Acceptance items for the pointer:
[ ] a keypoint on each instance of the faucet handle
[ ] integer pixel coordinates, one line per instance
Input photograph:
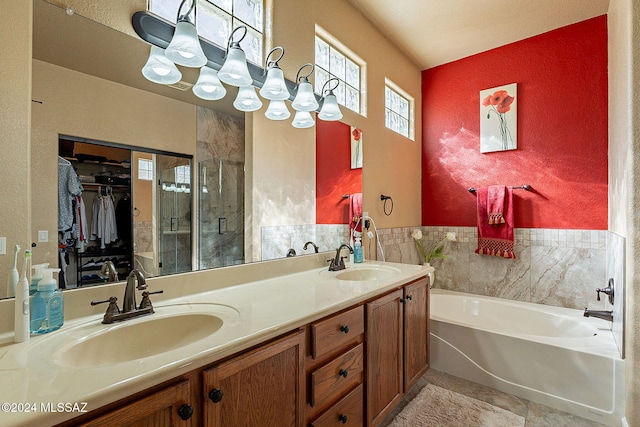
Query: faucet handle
(146, 302)
(113, 305)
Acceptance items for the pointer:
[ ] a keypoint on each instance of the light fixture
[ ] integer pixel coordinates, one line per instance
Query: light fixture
(159, 69)
(305, 99)
(185, 48)
(234, 71)
(208, 85)
(274, 87)
(303, 120)
(247, 100)
(277, 110)
(330, 110)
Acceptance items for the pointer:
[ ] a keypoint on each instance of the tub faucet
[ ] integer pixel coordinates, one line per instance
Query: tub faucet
(109, 270)
(606, 315)
(337, 263)
(315, 247)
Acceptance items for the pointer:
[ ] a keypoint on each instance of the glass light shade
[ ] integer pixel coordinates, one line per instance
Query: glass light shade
(305, 99)
(303, 120)
(208, 85)
(274, 87)
(185, 48)
(247, 100)
(159, 69)
(234, 71)
(330, 110)
(277, 110)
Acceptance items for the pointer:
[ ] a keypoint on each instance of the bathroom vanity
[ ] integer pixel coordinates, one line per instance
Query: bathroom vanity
(306, 348)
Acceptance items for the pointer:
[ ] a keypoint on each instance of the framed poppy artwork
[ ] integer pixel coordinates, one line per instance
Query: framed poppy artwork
(356, 148)
(498, 118)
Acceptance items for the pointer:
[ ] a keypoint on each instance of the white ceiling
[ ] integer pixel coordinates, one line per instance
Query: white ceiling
(434, 32)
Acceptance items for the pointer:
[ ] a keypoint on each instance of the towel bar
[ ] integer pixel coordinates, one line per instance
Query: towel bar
(525, 187)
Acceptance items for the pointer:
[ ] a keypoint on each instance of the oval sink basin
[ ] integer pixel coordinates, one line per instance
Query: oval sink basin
(139, 338)
(363, 274)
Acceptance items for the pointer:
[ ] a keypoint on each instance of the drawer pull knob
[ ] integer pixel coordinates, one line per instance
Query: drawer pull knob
(343, 373)
(409, 297)
(185, 411)
(403, 300)
(342, 418)
(344, 328)
(215, 395)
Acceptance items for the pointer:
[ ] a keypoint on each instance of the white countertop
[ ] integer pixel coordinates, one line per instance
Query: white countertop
(34, 374)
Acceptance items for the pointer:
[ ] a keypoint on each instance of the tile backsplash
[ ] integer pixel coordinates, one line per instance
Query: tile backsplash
(553, 266)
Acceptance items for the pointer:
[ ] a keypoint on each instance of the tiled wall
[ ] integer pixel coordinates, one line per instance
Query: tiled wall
(277, 240)
(554, 267)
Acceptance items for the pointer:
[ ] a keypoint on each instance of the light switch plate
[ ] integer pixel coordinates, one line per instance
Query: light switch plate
(43, 236)
(3, 245)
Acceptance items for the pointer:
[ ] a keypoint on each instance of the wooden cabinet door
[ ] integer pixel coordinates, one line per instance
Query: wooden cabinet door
(165, 408)
(262, 387)
(384, 355)
(416, 332)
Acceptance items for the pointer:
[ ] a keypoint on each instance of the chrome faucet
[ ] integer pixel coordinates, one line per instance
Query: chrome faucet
(109, 270)
(129, 302)
(315, 247)
(129, 308)
(337, 263)
(606, 315)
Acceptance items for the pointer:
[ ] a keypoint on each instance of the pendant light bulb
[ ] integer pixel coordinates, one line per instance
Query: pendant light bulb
(277, 110)
(274, 87)
(247, 100)
(159, 69)
(208, 85)
(303, 120)
(305, 99)
(185, 48)
(330, 110)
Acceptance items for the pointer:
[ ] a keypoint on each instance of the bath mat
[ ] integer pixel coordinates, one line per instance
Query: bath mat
(437, 407)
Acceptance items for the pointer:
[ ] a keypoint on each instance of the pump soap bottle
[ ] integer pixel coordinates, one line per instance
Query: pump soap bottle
(47, 304)
(358, 254)
(37, 276)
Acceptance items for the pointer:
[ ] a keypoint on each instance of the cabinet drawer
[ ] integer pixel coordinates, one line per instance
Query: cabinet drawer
(331, 334)
(348, 411)
(336, 377)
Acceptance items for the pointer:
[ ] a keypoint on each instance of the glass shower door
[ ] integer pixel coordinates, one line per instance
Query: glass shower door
(221, 213)
(174, 214)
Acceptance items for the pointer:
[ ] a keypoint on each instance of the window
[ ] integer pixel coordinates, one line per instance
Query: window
(145, 169)
(398, 108)
(217, 18)
(183, 174)
(334, 60)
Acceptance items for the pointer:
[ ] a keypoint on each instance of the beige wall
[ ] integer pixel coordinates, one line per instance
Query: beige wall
(15, 141)
(391, 162)
(67, 105)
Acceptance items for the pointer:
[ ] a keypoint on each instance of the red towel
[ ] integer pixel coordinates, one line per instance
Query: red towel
(495, 239)
(495, 203)
(355, 211)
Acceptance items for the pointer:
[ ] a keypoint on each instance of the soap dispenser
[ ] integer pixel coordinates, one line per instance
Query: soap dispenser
(47, 304)
(358, 253)
(36, 276)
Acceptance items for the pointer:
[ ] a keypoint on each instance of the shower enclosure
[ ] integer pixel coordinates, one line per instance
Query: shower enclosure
(221, 213)
(173, 214)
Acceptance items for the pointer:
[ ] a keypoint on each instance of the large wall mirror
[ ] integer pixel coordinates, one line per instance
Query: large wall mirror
(249, 201)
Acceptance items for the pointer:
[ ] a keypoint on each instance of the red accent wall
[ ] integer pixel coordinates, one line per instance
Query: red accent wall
(334, 176)
(562, 131)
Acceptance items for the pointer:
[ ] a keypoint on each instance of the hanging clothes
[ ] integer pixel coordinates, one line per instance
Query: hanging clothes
(103, 222)
(69, 186)
(80, 226)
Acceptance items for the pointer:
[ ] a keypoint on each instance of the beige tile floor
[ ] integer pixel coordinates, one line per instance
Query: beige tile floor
(535, 414)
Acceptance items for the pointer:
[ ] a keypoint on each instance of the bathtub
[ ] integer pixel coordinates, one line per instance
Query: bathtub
(550, 355)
